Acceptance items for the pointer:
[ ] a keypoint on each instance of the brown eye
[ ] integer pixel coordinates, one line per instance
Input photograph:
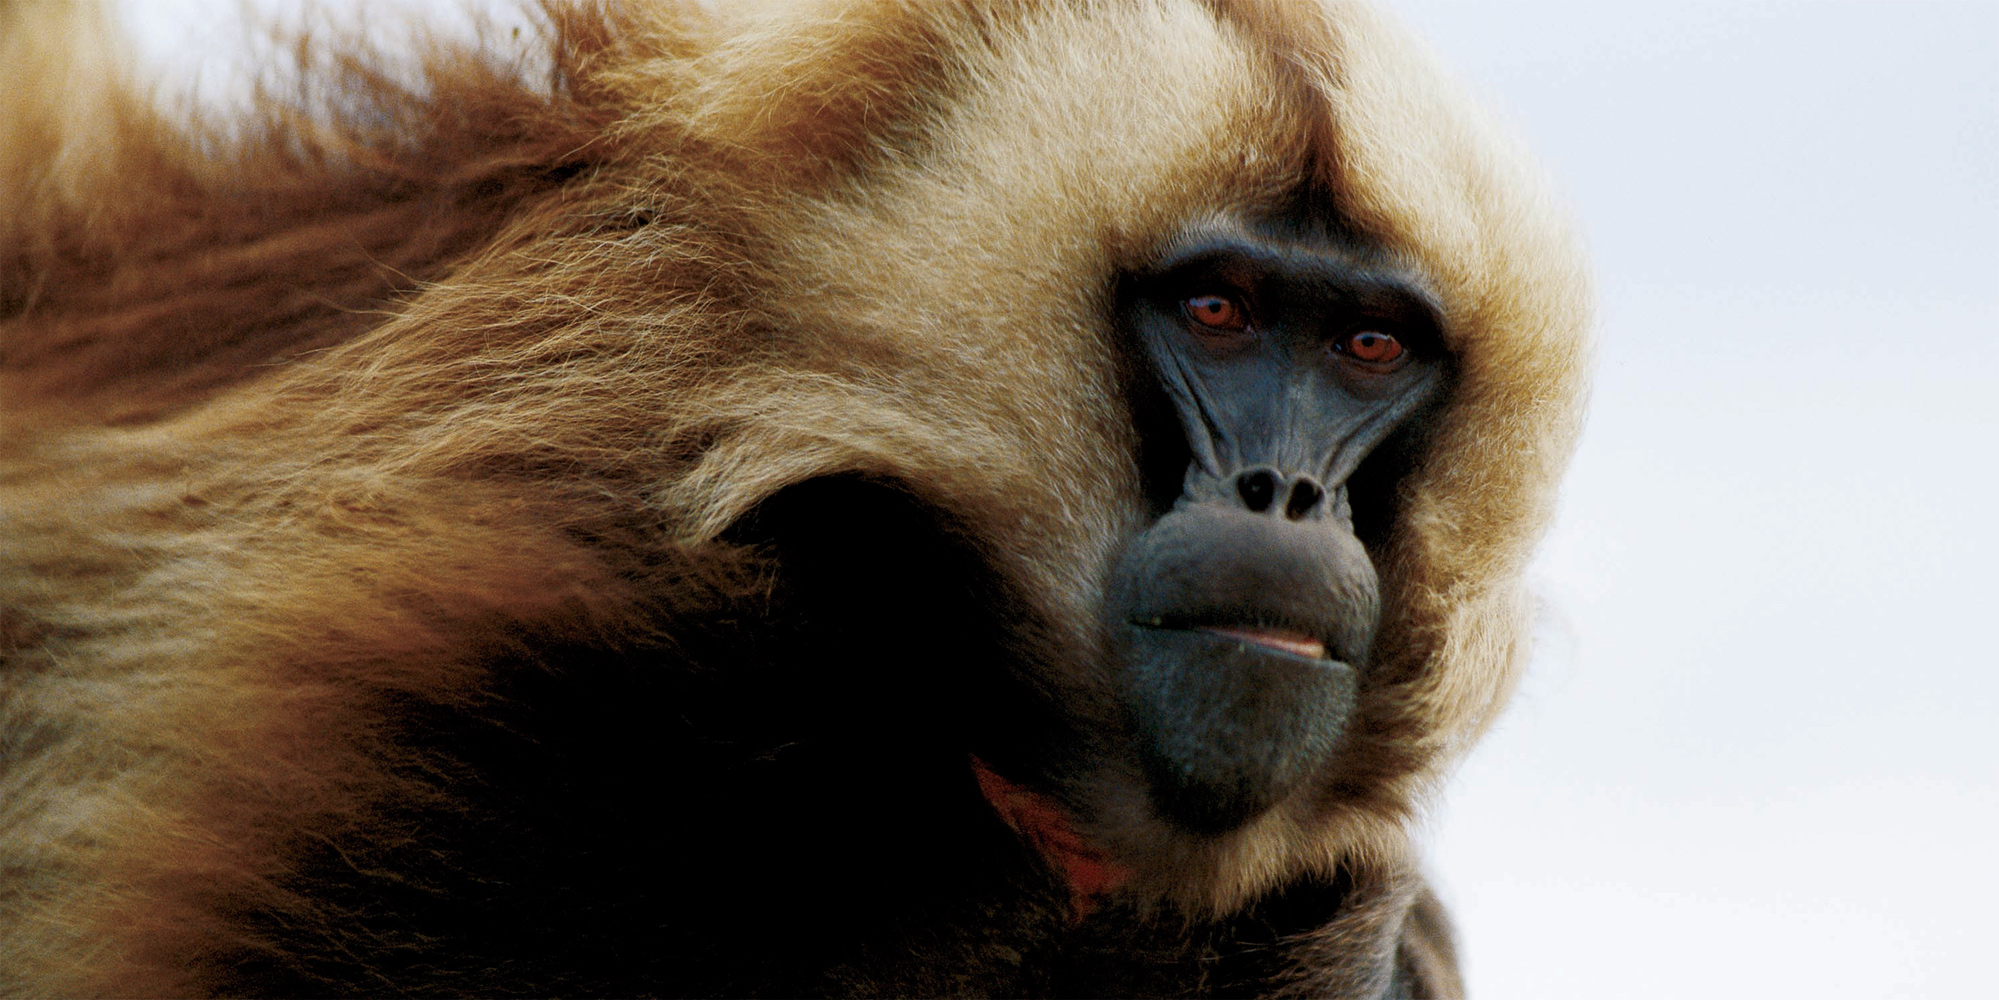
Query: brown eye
(1372, 347)
(1216, 311)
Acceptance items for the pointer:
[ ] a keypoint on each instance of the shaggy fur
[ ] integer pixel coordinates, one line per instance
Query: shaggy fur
(514, 535)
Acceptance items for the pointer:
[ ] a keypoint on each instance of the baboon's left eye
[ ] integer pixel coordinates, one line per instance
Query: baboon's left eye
(1371, 347)
(1217, 312)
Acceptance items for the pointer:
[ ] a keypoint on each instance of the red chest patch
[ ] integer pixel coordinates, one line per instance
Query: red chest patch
(1046, 827)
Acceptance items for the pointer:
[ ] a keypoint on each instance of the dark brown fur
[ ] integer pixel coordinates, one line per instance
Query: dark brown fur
(500, 535)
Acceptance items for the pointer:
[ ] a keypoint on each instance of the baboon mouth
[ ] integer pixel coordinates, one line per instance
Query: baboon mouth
(1294, 643)
(1232, 719)
(1290, 641)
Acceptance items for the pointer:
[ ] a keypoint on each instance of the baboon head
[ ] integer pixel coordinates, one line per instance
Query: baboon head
(1237, 358)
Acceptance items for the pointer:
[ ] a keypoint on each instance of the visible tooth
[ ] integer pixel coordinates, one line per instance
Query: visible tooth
(1289, 642)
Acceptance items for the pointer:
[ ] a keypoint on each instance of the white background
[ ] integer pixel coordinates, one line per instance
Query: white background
(1756, 755)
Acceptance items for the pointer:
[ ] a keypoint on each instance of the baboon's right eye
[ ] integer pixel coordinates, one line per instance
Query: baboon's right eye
(1217, 312)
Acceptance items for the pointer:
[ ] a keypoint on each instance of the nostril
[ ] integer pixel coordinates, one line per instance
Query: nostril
(1257, 489)
(1305, 495)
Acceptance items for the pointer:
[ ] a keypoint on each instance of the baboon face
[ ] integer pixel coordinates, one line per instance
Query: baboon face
(1242, 615)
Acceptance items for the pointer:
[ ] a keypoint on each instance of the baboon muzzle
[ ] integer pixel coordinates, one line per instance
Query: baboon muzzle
(1242, 633)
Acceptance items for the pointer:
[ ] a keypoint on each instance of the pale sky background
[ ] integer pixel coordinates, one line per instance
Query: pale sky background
(1756, 755)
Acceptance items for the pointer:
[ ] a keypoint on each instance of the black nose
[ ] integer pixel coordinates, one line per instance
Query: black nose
(1263, 490)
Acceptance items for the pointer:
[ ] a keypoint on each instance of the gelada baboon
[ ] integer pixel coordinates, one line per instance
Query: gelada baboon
(833, 498)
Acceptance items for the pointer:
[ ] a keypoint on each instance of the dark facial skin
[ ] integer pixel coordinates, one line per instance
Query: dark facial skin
(1244, 615)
